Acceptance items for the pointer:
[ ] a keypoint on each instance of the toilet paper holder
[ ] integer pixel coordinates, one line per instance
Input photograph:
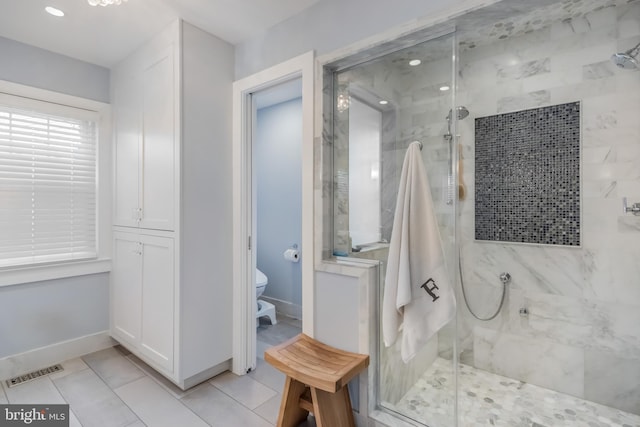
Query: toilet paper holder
(292, 254)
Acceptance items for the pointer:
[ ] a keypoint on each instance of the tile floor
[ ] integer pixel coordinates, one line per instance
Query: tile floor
(113, 388)
(488, 399)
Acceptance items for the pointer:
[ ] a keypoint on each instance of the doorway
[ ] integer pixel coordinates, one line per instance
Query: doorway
(245, 114)
(276, 147)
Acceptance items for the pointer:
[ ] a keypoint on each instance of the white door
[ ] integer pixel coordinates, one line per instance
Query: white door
(158, 153)
(127, 117)
(126, 287)
(158, 290)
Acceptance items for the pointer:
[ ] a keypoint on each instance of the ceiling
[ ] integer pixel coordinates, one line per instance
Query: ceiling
(106, 35)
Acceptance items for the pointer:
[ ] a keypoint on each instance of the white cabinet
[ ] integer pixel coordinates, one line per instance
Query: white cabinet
(157, 195)
(145, 141)
(127, 146)
(143, 295)
(171, 283)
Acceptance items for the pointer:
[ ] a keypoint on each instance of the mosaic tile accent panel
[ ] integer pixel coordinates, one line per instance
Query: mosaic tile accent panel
(527, 175)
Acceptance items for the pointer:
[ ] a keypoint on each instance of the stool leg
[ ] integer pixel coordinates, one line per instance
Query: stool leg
(290, 413)
(332, 409)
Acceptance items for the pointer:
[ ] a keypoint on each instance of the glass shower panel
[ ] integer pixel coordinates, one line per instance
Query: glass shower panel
(380, 107)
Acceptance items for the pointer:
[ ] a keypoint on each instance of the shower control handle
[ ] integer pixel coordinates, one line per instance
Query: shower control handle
(634, 209)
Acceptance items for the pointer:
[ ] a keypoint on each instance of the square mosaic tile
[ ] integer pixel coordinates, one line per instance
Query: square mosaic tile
(527, 176)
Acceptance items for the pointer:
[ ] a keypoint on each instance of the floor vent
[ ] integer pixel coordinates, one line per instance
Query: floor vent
(12, 382)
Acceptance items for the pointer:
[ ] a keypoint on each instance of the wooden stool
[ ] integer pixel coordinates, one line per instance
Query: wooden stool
(317, 377)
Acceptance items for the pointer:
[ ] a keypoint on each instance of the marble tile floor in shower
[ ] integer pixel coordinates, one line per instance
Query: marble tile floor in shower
(113, 388)
(488, 399)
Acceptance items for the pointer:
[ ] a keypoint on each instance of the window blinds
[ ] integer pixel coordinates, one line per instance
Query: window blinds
(47, 187)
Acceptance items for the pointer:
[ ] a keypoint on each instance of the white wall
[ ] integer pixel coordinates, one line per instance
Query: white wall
(32, 66)
(39, 314)
(278, 162)
(206, 234)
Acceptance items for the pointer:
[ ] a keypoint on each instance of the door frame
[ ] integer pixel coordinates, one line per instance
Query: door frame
(244, 294)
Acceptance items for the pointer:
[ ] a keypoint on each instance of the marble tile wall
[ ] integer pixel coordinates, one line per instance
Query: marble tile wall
(580, 336)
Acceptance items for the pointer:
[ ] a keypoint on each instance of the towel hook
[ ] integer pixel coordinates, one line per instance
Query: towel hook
(419, 144)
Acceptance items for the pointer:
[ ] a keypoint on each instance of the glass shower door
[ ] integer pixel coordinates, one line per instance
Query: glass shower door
(380, 107)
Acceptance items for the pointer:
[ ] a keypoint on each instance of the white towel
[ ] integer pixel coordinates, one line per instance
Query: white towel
(418, 299)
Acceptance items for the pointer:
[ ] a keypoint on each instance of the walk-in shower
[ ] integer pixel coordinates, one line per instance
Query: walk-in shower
(544, 261)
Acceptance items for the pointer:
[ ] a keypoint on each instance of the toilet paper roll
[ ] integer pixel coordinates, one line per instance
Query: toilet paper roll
(292, 255)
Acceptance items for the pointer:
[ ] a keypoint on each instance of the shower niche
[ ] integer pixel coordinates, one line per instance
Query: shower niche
(376, 112)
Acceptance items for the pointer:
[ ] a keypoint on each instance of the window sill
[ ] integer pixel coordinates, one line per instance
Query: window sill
(28, 274)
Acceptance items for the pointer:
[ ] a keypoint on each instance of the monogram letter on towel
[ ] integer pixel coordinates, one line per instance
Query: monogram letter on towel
(418, 298)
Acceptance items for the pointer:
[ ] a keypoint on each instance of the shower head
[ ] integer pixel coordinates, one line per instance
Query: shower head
(624, 60)
(627, 60)
(461, 113)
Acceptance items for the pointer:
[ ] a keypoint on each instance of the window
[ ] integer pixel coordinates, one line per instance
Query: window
(48, 182)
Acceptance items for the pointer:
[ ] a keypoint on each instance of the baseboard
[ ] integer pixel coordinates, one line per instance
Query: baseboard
(18, 364)
(285, 307)
(205, 375)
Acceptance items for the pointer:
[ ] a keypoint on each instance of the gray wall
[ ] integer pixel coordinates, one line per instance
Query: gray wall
(34, 315)
(278, 160)
(43, 313)
(32, 66)
(329, 25)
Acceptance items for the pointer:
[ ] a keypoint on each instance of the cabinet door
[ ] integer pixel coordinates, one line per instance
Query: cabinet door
(158, 296)
(126, 287)
(159, 143)
(127, 116)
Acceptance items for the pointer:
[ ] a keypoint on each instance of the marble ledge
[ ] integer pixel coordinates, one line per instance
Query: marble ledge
(346, 266)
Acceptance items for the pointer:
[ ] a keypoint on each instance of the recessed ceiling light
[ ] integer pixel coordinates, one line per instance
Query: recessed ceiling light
(383, 102)
(444, 88)
(53, 11)
(415, 62)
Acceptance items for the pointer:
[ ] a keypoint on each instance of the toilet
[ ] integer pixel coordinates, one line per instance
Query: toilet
(264, 308)
(261, 283)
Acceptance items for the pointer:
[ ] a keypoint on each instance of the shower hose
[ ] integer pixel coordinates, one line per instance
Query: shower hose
(464, 294)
